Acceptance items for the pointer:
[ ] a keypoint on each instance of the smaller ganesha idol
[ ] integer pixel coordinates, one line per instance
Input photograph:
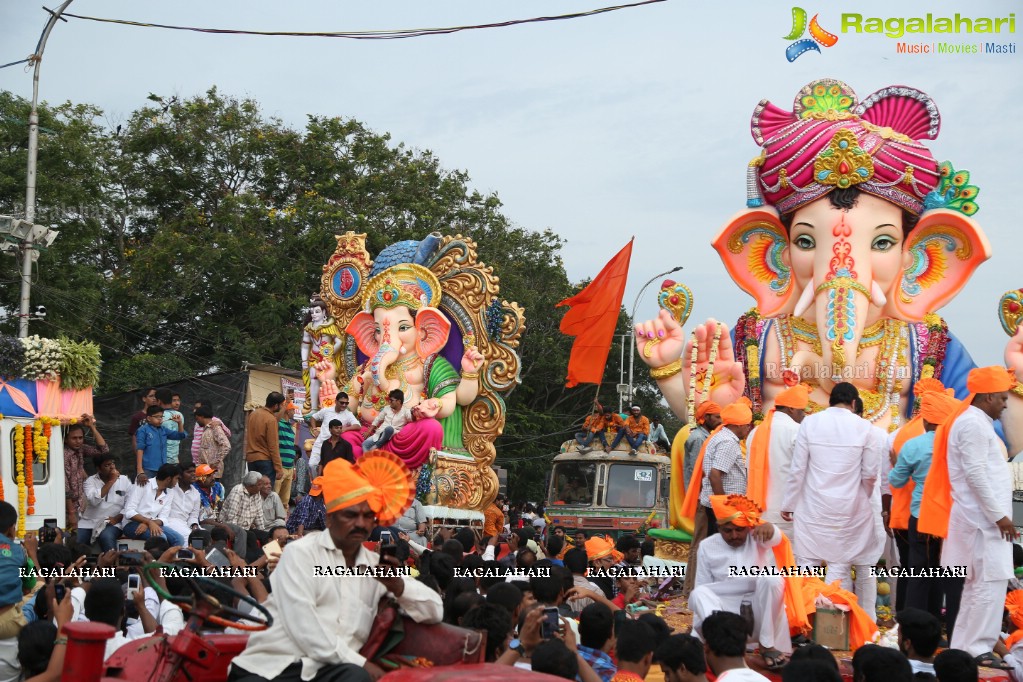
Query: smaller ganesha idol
(424, 318)
(402, 332)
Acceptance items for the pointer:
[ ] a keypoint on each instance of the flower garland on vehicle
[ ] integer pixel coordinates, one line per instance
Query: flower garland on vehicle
(19, 464)
(43, 430)
(29, 470)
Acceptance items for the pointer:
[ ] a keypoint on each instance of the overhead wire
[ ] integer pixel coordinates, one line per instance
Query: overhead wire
(389, 34)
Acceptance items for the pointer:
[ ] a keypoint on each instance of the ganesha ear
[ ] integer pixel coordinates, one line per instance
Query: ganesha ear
(432, 330)
(752, 246)
(363, 329)
(941, 252)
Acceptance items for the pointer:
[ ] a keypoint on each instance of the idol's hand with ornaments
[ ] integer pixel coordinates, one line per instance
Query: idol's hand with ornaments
(430, 408)
(660, 341)
(709, 352)
(472, 360)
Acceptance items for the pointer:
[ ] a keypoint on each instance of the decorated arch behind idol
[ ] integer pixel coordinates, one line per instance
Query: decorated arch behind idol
(424, 317)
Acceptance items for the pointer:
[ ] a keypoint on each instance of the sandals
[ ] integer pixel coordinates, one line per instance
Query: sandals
(774, 660)
(991, 660)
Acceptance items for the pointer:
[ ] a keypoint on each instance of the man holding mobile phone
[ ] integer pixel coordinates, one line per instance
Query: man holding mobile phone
(292, 648)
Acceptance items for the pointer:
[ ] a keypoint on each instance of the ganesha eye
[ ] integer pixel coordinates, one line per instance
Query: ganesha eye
(883, 243)
(805, 242)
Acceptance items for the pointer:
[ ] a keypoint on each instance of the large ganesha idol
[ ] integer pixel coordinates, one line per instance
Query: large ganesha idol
(425, 318)
(854, 235)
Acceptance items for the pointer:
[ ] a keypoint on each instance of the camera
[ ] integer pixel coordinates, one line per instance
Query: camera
(551, 622)
(198, 543)
(131, 558)
(48, 533)
(387, 545)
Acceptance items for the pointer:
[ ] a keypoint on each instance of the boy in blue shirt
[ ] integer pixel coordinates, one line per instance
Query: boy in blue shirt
(12, 558)
(151, 441)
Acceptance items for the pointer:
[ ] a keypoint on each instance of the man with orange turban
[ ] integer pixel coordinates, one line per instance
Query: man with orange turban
(832, 481)
(770, 447)
(968, 500)
(913, 463)
(322, 616)
(724, 465)
(742, 546)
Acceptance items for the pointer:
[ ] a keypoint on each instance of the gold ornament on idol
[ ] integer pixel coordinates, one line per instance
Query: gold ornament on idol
(648, 347)
(708, 378)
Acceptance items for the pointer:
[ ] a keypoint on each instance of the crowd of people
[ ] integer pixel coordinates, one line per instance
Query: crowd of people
(833, 491)
(756, 494)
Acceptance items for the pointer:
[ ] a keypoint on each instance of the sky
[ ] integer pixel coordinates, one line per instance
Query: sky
(629, 123)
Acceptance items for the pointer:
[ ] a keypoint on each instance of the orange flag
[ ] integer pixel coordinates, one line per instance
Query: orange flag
(592, 319)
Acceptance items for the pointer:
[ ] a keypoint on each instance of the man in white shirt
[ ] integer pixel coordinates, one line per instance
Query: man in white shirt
(148, 507)
(743, 541)
(184, 514)
(969, 459)
(106, 493)
(321, 622)
(339, 411)
(724, 638)
(829, 493)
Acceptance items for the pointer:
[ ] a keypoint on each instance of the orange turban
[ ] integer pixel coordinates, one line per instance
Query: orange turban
(1014, 605)
(797, 397)
(705, 408)
(737, 414)
(736, 509)
(599, 548)
(317, 487)
(345, 486)
(380, 479)
(936, 407)
(994, 379)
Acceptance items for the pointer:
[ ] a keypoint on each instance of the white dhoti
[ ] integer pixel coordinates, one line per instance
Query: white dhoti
(986, 557)
(766, 594)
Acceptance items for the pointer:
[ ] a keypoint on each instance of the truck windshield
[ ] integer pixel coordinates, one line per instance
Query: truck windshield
(631, 485)
(573, 482)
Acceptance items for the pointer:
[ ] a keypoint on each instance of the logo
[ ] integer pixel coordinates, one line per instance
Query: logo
(818, 36)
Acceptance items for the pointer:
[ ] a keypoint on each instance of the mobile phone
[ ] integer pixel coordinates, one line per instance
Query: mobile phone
(184, 554)
(122, 546)
(131, 558)
(271, 548)
(50, 523)
(134, 583)
(59, 591)
(387, 546)
(551, 622)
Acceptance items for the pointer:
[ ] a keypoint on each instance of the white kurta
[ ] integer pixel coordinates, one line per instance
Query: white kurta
(981, 495)
(716, 591)
(834, 472)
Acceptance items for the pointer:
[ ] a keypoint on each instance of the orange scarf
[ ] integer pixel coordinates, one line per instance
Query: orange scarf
(795, 606)
(936, 504)
(861, 627)
(759, 462)
(696, 483)
(902, 497)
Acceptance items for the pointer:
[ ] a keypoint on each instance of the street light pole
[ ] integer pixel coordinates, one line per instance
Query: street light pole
(30, 182)
(632, 317)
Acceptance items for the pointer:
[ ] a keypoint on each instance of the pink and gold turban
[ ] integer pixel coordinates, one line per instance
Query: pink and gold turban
(829, 140)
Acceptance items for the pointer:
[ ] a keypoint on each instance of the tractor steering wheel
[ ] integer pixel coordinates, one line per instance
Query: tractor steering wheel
(193, 602)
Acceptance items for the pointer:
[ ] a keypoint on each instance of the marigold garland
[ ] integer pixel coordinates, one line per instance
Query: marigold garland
(29, 471)
(19, 464)
(42, 439)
